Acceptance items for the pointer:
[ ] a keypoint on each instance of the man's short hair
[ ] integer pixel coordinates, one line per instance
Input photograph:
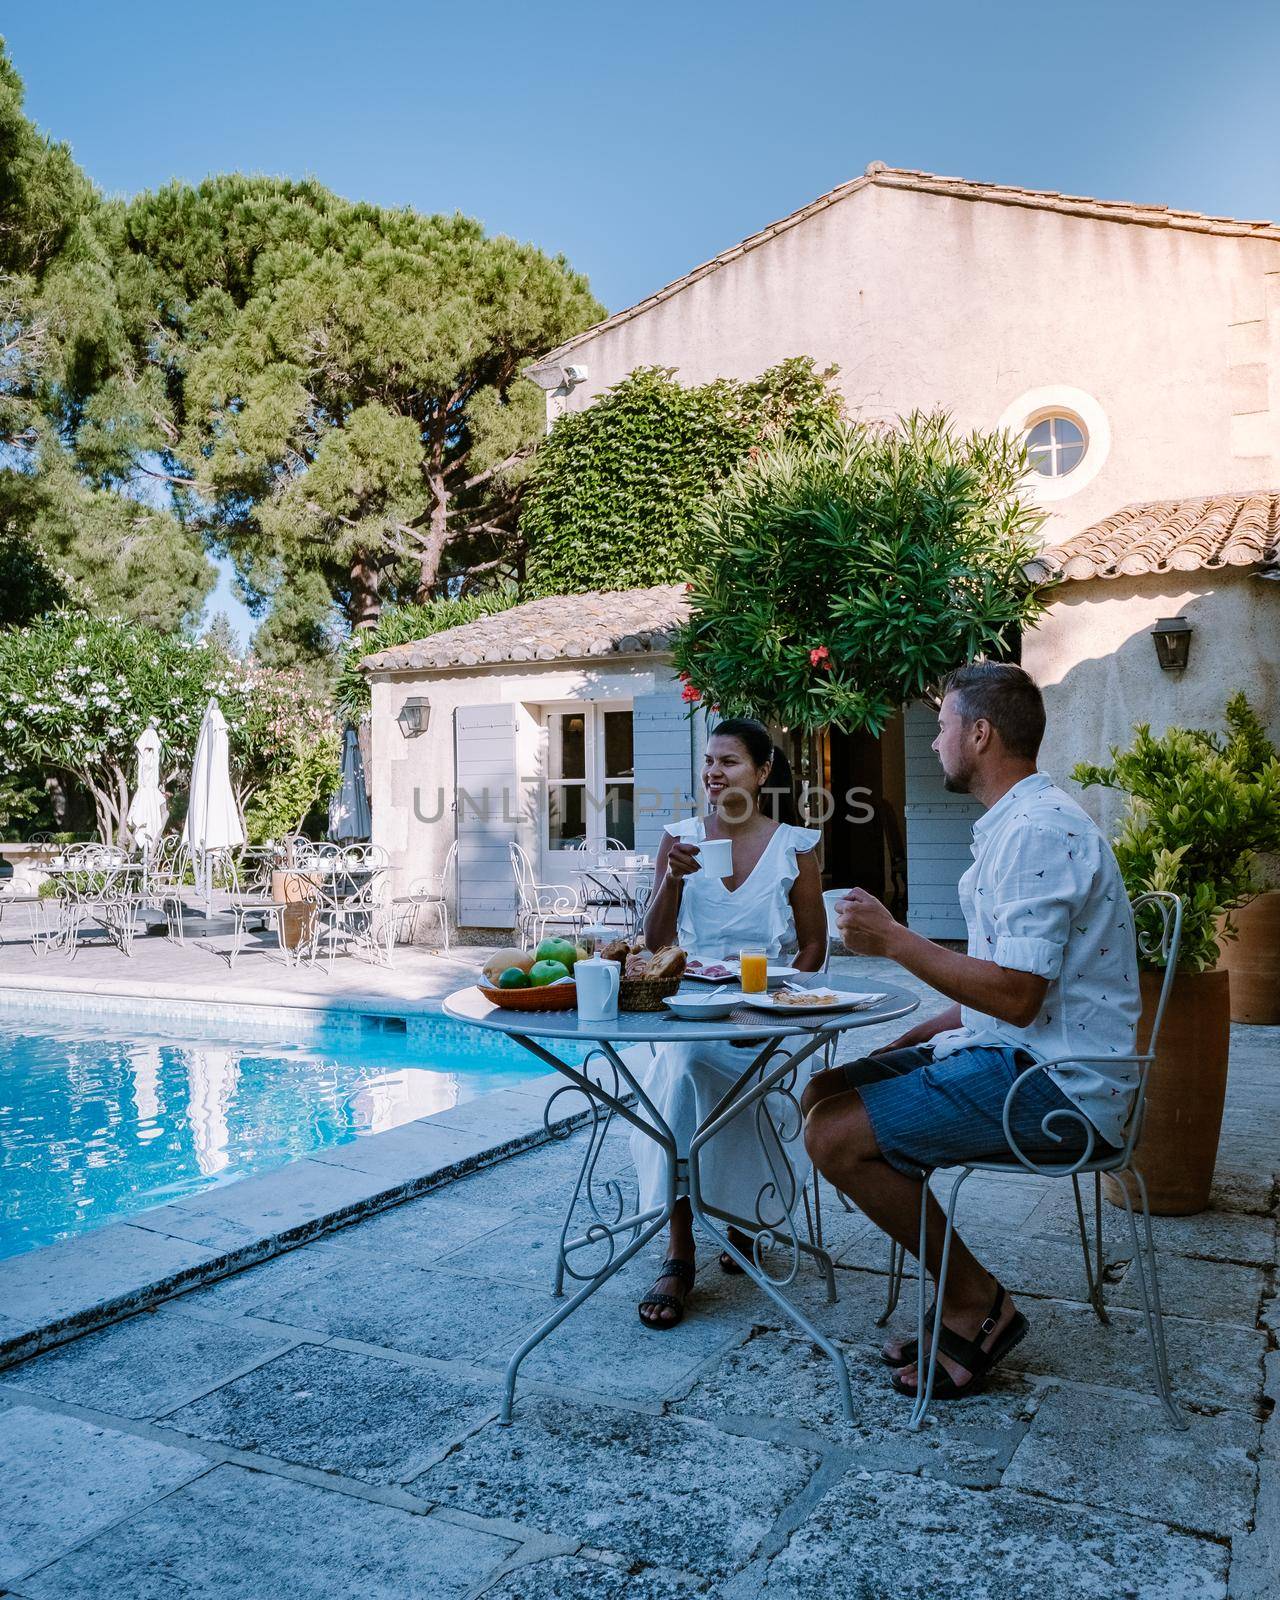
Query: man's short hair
(1007, 698)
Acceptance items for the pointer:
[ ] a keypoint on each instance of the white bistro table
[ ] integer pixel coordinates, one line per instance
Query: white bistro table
(765, 1089)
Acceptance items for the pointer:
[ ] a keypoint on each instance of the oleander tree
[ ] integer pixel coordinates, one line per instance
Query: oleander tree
(77, 691)
(839, 579)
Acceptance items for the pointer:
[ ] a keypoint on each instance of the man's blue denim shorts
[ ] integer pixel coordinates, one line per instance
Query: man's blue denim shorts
(928, 1113)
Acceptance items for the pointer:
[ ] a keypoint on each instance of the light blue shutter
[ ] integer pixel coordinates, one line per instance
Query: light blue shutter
(488, 809)
(939, 833)
(662, 742)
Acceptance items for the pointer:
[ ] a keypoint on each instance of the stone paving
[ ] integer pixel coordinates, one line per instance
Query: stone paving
(324, 1424)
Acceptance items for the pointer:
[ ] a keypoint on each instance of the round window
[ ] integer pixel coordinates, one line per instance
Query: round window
(1056, 446)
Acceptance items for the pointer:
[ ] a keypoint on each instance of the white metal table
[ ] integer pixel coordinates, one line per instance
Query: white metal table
(764, 1087)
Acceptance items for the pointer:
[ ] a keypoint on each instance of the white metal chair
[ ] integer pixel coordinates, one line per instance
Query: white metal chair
(432, 892)
(346, 918)
(97, 885)
(538, 904)
(1161, 937)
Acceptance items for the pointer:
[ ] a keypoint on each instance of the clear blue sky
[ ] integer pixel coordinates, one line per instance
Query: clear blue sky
(639, 137)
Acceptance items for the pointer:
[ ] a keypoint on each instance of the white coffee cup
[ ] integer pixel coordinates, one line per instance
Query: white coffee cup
(716, 857)
(597, 982)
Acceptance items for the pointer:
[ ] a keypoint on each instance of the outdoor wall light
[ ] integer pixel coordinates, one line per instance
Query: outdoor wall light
(1173, 642)
(414, 716)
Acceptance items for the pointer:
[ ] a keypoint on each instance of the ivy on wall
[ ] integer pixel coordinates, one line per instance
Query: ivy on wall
(616, 489)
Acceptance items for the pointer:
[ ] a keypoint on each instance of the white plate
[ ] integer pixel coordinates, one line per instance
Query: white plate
(844, 1001)
(776, 975)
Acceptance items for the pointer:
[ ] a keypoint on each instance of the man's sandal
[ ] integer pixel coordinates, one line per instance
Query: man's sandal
(907, 1355)
(969, 1354)
(683, 1272)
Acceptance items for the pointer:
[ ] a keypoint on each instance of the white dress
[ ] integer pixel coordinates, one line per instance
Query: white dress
(685, 1081)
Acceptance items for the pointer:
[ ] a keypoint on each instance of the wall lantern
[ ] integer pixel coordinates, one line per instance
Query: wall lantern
(413, 716)
(1173, 642)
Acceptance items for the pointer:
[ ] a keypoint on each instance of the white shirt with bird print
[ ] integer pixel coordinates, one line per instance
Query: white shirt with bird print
(1044, 895)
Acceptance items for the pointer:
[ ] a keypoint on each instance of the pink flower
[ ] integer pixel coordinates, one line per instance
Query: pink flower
(690, 695)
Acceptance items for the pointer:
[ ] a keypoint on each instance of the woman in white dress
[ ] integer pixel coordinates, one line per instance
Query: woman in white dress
(772, 902)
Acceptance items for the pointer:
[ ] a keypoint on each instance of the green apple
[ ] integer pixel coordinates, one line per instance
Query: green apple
(562, 950)
(544, 972)
(513, 978)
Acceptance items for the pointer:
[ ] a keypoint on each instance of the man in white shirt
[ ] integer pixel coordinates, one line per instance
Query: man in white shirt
(1051, 972)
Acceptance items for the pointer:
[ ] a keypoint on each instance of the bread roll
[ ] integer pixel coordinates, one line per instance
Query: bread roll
(668, 963)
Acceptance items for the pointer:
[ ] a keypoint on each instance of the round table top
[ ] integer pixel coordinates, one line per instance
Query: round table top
(660, 1027)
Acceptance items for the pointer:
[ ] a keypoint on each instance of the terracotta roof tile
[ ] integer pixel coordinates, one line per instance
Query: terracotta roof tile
(1225, 530)
(564, 628)
(1077, 205)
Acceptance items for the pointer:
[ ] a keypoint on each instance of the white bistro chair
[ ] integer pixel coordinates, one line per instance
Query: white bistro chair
(538, 904)
(432, 894)
(1164, 939)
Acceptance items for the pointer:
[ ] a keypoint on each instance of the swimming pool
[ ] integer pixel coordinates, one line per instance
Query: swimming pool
(102, 1117)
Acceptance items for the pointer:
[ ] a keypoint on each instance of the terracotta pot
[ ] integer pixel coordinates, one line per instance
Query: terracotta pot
(1185, 1092)
(1253, 960)
(298, 894)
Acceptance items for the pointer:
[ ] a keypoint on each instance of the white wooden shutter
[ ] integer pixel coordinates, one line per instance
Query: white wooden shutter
(939, 833)
(488, 809)
(662, 743)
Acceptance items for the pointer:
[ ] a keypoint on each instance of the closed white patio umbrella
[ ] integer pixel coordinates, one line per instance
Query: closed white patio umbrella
(213, 821)
(148, 812)
(349, 806)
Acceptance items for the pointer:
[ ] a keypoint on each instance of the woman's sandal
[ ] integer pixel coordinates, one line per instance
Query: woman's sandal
(683, 1272)
(728, 1265)
(969, 1354)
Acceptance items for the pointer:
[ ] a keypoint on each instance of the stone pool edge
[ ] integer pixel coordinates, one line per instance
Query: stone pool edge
(53, 1294)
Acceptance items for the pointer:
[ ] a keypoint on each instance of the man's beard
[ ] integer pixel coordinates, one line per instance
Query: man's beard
(957, 782)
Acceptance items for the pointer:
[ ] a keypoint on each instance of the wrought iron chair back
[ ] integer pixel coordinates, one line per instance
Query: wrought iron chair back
(537, 904)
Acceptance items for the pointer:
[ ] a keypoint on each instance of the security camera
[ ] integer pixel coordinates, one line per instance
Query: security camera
(574, 375)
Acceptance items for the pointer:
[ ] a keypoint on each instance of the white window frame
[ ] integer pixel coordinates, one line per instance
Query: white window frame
(1061, 399)
(558, 863)
(1053, 450)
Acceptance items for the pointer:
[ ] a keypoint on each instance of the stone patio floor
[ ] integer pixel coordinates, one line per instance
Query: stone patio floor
(324, 1424)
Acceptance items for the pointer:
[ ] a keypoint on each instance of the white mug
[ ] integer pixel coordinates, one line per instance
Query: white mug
(716, 857)
(597, 982)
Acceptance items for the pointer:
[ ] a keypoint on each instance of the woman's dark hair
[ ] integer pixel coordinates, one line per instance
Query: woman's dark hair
(779, 793)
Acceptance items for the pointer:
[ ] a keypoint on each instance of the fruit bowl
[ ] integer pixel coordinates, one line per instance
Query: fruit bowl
(549, 997)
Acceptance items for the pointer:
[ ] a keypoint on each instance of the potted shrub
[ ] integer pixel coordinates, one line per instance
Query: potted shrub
(1197, 814)
(1251, 933)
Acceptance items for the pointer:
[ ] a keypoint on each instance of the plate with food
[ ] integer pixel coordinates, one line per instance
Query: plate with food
(801, 1001)
(728, 972)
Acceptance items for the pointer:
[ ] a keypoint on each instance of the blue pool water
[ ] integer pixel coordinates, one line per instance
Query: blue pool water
(101, 1119)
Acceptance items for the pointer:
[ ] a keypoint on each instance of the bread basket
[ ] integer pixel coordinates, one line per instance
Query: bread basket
(550, 997)
(645, 994)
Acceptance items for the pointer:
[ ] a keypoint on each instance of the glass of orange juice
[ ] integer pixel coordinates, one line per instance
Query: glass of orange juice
(754, 967)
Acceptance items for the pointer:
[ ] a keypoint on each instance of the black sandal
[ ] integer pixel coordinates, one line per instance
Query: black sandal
(969, 1354)
(683, 1272)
